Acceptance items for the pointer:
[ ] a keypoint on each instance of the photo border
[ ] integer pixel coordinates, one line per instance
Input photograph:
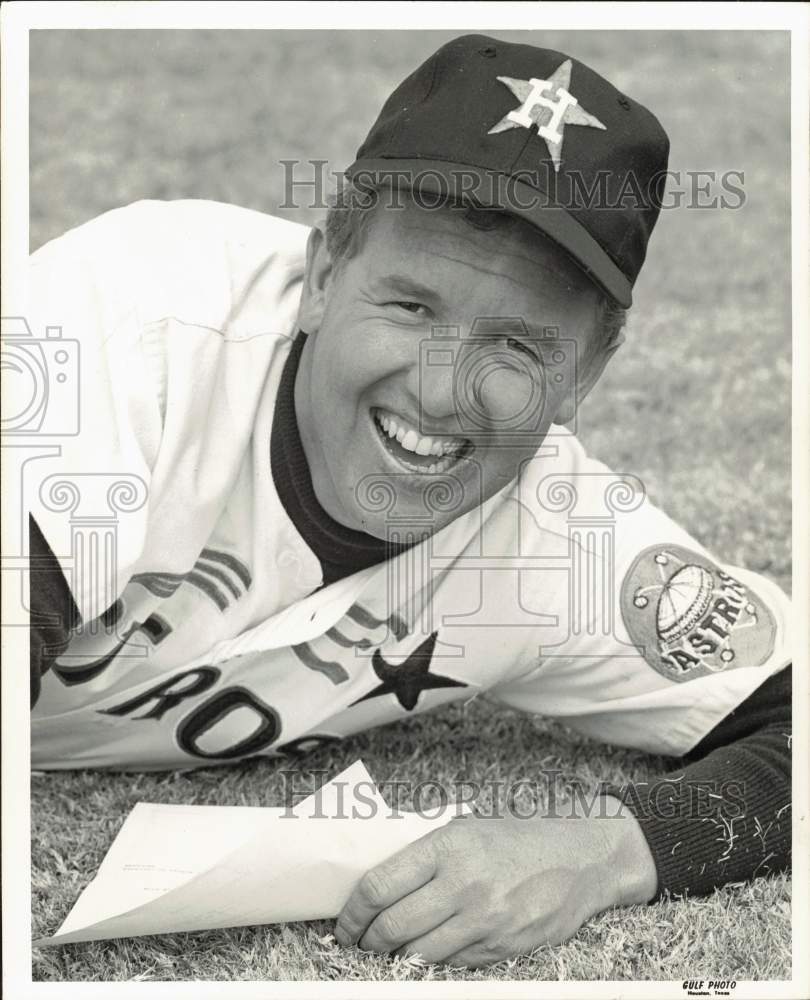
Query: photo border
(17, 19)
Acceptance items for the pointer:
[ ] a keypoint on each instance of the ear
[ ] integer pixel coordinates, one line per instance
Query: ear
(587, 375)
(317, 276)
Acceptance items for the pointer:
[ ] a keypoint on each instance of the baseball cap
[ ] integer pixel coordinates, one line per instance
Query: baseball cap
(532, 132)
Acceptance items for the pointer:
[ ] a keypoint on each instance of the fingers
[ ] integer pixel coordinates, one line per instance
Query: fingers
(474, 956)
(409, 918)
(381, 887)
(455, 937)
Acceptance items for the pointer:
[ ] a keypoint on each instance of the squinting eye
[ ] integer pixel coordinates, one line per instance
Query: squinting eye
(411, 307)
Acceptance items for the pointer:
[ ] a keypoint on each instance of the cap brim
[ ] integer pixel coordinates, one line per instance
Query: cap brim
(489, 189)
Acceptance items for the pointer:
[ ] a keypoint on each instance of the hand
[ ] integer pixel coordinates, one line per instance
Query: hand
(480, 890)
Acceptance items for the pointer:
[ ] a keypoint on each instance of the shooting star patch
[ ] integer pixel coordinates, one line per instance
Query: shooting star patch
(407, 680)
(689, 618)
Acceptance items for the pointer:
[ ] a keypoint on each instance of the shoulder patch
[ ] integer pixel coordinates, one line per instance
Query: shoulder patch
(689, 618)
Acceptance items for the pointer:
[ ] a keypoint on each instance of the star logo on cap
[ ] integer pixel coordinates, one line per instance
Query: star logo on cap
(548, 105)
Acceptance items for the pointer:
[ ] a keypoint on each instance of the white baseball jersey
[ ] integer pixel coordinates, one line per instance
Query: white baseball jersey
(206, 637)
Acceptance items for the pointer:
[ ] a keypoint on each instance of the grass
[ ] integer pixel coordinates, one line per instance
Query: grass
(741, 933)
(697, 405)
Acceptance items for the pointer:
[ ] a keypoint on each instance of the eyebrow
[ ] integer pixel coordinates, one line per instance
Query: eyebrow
(407, 286)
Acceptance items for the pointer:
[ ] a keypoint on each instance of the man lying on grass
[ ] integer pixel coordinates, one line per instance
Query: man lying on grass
(346, 495)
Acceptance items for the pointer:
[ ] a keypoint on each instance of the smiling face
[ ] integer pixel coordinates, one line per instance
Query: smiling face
(429, 358)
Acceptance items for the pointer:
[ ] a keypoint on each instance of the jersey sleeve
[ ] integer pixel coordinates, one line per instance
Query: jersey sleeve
(151, 329)
(100, 424)
(657, 641)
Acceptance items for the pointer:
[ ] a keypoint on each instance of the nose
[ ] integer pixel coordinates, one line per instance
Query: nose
(431, 382)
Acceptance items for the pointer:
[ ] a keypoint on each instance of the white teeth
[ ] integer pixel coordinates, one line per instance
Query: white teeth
(411, 440)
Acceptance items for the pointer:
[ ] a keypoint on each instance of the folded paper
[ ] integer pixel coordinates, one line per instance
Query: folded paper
(188, 868)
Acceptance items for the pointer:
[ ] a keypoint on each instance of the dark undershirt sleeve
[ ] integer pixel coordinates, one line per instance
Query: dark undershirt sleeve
(52, 611)
(724, 817)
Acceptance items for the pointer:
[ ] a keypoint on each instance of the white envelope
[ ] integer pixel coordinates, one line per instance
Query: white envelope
(188, 868)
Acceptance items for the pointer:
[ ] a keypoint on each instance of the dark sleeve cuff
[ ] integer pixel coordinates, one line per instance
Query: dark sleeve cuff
(726, 816)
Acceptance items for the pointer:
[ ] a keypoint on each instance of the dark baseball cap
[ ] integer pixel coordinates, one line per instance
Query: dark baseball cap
(532, 132)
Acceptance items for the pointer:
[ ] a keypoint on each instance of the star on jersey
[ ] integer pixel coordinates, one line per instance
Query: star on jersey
(548, 105)
(409, 679)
